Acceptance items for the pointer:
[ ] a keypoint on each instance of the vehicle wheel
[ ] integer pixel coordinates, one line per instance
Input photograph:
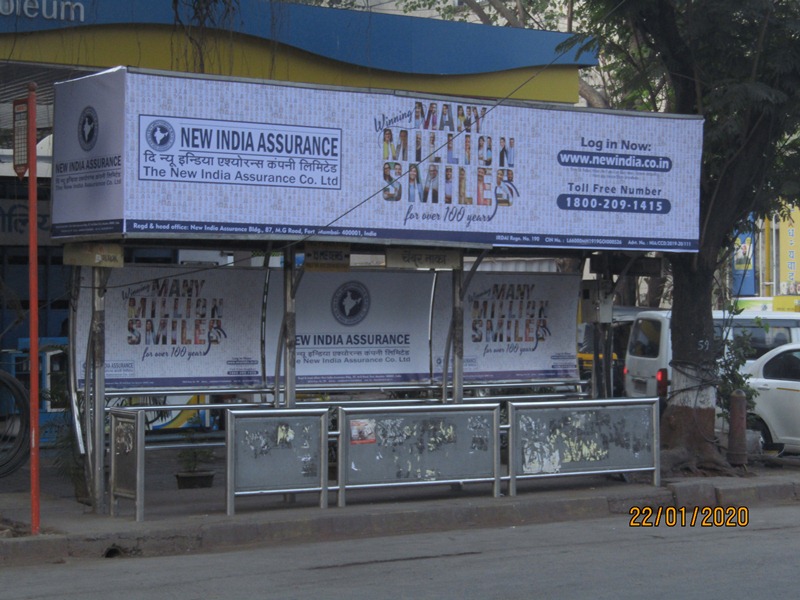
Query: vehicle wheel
(14, 424)
(756, 424)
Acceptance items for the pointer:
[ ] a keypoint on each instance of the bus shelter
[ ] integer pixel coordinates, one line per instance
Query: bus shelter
(328, 172)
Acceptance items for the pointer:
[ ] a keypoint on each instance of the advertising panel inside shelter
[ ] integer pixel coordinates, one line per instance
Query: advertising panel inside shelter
(167, 327)
(357, 327)
(517, 327)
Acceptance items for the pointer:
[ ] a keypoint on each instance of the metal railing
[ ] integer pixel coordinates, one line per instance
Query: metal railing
(286, 451)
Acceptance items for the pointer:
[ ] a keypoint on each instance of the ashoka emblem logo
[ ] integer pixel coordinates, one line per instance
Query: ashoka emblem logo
(88, 128)
(160, 135)
(350, 303)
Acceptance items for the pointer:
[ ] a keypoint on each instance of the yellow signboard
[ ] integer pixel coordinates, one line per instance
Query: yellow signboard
(419, 258)
(326, 257)
(94, 255)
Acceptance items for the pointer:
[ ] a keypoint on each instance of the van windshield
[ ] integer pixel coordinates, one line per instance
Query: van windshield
(645, 338)
(762, 338)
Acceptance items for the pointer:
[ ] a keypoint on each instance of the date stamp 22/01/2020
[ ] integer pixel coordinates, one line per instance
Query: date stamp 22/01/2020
(693, 516)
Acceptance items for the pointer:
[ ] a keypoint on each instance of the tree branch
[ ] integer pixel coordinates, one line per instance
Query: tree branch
(506, 13)
(593, 97)
(479, 12)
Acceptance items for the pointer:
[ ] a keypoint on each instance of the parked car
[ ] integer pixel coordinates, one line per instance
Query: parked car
(776, 378)
(648, 368)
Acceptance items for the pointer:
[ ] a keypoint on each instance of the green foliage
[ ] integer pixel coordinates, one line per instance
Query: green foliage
(68, 461)
(67, 458)
(193, 457)
(537, 14)
(735, 353)
(738, 68)
(736, 65)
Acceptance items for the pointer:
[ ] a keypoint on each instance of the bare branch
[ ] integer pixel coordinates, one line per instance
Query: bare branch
(479, 12)
(506, 13)
(592, 96)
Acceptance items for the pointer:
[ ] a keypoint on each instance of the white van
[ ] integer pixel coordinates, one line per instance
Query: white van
(621, 322)
(647, 369)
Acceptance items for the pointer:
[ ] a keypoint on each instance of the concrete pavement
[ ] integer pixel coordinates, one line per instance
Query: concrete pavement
(191, 521)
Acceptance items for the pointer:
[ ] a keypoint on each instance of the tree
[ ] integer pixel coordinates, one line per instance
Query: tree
(534, 14)
(738, 66)
(197, 22)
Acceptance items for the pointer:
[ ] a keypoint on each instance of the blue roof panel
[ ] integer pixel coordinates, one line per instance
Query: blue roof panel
(387, 42)
(417, 45)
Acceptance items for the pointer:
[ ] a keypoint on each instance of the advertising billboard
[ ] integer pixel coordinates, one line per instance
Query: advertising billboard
(140, 154)
(787, 246)
(357, 327)
(197, 329)
(168, 327)
(517, 326)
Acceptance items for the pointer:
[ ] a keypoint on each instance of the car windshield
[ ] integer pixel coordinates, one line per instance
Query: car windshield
(645, 338)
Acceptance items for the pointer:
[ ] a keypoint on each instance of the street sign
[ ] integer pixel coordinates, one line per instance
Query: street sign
(428, 258)
(94, 255)
(327, 257)
(21, 137)
(639, 266)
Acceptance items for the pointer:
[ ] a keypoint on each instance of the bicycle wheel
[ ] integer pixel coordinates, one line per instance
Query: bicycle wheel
(14, 424)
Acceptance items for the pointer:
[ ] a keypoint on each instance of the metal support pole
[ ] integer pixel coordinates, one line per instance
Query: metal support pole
(33, 312)
(99, 279)
(458, 337)
(289, 348)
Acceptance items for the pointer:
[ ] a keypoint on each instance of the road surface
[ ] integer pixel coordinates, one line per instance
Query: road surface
(601, 558)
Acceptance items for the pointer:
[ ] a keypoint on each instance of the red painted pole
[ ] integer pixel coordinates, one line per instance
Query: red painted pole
(33, 306)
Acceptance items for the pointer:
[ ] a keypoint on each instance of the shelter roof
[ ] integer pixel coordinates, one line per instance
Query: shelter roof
(398, 43)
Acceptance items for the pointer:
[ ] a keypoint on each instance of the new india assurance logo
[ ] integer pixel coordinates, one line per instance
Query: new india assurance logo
(160, 135)
(350, 303)
(88, 128)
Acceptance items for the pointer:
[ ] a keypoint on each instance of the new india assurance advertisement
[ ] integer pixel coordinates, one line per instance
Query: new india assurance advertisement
(516, 326)
(151, 155)
(166, 327)
(357, 327)
(169, 328)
